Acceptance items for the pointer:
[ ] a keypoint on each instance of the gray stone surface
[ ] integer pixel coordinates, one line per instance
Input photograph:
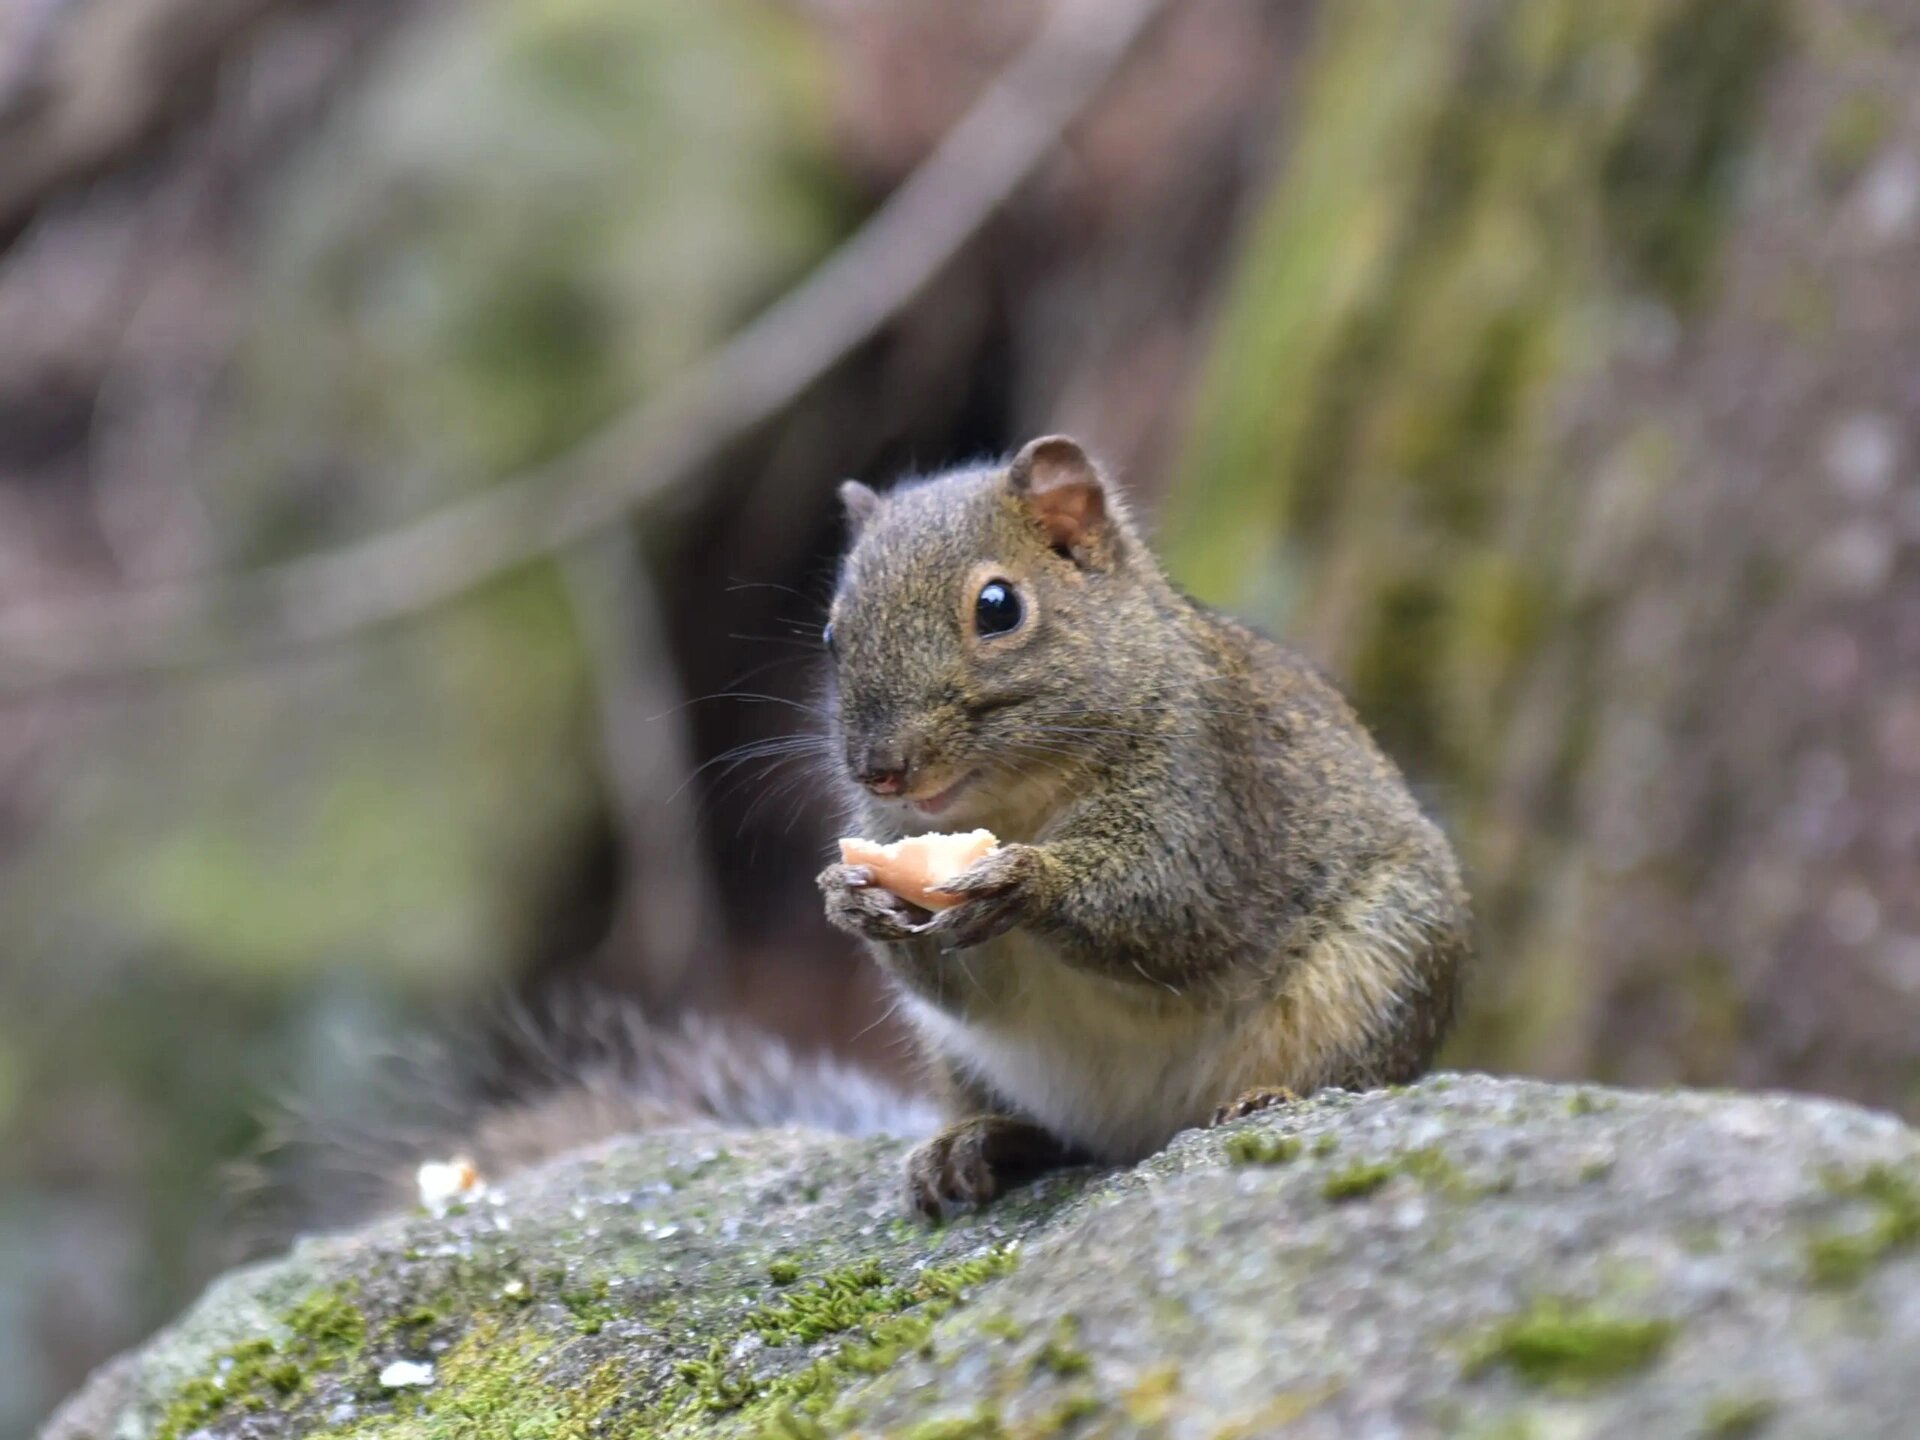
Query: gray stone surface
(1468, 1257)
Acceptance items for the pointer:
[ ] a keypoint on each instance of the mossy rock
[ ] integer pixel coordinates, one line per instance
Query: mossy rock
(1523, 1259)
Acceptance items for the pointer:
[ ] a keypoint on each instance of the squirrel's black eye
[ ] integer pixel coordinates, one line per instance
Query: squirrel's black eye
(997, 610)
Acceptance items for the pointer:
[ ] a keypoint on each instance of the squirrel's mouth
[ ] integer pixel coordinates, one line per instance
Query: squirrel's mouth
(939, 800)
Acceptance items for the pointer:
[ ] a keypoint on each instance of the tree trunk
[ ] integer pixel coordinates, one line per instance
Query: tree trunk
(1563, 403)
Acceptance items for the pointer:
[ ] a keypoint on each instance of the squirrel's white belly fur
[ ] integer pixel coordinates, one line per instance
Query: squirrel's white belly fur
(1115, 1068)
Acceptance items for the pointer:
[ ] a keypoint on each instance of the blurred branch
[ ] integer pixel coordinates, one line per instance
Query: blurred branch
(81, 84)
(645, 753)
(638, 457)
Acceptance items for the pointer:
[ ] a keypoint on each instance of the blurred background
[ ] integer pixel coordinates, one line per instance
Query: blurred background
(1548, 370)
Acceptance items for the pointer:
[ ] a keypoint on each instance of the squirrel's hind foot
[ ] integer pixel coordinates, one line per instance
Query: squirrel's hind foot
(1252, 1102)
(975, 1159)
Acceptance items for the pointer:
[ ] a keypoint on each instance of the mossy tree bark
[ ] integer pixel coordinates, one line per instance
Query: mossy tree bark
(1506, 421)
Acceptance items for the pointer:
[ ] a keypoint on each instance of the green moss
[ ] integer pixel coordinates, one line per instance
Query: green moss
(1852, 135)
(1895, 1194)
(982, 1424)
(1668, 177)
(715, 1386)
(1509, 1427)
(1002, 1327)
(785, 1423)
(412, 1329)
(1258, 1149)
(1060, 1355)
(1325, 1146)
(1062, 1359)
(1149, 1398)
(329, 1324)
(1435, 1169)
(882, 1318)
(259, 1366)
(250, 1376)
(324, 1331)
(961, 1275)
(1839, 1258)
(1431, 1167)
(1076, 1407)
(195, 1404)
(1738, 1418)
(836, 1302)
(493, 1385)
(883, 1338)
(1560, 1343)
(887, 1341)
(783, 1272)
(1278, 1414)
(590, 1307)
(1357, 1181)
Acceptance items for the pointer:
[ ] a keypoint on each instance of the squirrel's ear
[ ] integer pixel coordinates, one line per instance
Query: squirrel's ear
(1064, 492)
(859, 501)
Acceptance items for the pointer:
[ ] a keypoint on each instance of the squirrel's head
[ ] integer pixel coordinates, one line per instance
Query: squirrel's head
(981, 631)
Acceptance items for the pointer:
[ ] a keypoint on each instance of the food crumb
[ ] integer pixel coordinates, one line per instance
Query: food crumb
(444, 1183)
(406, 1375)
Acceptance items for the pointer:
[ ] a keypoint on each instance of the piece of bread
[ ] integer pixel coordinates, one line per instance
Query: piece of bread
(908, 867)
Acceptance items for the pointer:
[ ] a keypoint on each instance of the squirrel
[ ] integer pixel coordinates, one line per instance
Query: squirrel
(1213, 891)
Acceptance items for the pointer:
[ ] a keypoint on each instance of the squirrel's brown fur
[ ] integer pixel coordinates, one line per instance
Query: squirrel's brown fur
(1211, 880)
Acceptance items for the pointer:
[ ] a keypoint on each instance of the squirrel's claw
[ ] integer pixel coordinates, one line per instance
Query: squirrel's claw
(995, 892)
(973, 1160)
(1252, 1102)
(951, 1172)
(858, 906)
(974, 922)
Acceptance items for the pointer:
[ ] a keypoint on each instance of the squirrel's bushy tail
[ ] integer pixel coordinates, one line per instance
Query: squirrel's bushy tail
(533, 1082)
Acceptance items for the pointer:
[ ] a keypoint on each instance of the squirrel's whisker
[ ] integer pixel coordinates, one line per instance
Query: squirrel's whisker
(734, 587)
(751, 696)
(777, 749)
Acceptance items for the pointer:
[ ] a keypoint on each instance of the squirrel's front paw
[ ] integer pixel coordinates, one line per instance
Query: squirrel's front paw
(996, 892)
(858, 906)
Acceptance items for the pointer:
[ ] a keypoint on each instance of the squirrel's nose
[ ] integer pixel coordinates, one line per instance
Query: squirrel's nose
(883, 769)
